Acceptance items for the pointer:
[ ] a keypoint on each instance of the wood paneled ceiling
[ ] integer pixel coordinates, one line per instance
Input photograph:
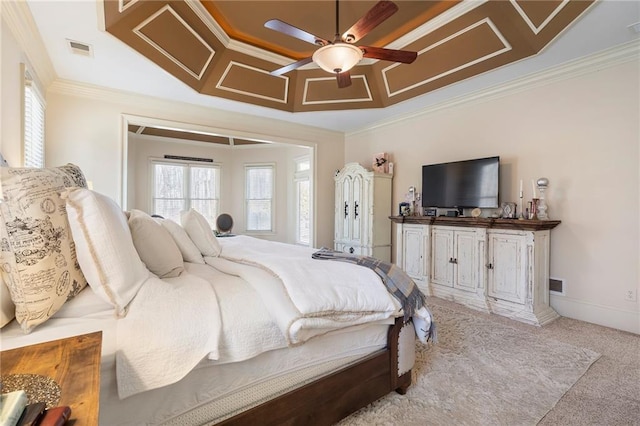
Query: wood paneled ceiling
(190, 136)
(221, 48)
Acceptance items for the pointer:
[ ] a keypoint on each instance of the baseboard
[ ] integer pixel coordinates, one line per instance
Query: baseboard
(626, 320)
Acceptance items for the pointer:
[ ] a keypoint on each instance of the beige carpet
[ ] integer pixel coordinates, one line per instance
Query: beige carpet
(480, 372)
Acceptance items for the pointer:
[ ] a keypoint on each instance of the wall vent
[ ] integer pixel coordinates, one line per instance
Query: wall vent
(179, 157)
(80, 48)
(556, 286)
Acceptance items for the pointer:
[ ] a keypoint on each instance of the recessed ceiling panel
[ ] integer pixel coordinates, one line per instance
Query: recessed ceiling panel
(167, 32)
(221, 48)
(324, 90)
(253, 82)
(465, 48)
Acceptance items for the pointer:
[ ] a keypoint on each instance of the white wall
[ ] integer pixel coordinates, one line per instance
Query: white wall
(231, 162)
(10, 133)
(581, 133)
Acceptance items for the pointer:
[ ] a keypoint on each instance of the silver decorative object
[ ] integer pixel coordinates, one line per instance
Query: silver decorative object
(542, 184)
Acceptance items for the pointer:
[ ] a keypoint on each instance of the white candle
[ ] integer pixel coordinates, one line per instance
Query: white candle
(520, 188)
(533, 186)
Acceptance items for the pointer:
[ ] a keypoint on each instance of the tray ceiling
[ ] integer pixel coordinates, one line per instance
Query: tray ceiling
(222, 49)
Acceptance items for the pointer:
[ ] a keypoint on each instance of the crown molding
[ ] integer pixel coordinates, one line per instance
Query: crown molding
(17, 16)
(627, 52)
(435, 23)
(97, 93)
(624, 53)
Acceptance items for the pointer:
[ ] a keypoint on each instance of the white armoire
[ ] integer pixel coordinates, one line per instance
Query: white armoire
(363, 207)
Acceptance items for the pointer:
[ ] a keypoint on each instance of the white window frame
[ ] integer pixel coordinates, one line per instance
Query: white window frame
(33, 121)
(187, 184)
(300, 176)
(250, 166)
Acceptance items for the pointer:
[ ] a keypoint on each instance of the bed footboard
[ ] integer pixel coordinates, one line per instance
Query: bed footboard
(333, 397)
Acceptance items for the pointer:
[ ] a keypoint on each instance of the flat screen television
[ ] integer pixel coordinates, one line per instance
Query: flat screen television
(461, 184)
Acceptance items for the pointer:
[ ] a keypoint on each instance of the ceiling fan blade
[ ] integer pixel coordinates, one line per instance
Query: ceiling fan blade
(344, 79)
(292, 66)
(374, 17)
(288, 29)
(403, 56)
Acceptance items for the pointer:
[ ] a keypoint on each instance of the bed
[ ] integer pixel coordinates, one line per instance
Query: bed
(236, 331)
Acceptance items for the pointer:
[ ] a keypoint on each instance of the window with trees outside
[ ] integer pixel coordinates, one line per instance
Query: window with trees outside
(302, 185)
(179, 186)
(259, 195)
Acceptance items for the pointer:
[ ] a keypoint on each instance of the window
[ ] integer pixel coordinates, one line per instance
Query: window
(259, 184)
(33, 131)
(179, 186)
(302, 185)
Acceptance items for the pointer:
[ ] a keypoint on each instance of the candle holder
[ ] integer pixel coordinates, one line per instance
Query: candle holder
(520, 208)
(533, 213)
(542, 183)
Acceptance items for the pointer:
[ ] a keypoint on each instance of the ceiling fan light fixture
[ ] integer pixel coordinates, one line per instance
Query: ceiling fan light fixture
(338, 57)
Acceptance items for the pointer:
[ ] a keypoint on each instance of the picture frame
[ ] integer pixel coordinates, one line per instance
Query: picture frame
(508, 210)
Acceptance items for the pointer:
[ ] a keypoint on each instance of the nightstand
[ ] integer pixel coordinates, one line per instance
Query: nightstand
(74, 363)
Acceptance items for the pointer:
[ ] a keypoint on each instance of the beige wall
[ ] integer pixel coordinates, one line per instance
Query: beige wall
(10, 133)
(84, 125)
(87, 130)
(582, 134)
(231, 162)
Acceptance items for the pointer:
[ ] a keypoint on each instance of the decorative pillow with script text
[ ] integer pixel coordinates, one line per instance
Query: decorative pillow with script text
(37, 254)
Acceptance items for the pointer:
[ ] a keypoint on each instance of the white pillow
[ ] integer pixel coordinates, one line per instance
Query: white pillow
(38, 258)
(105, 248)
(190, 253)
(7, 308)
(155, 245)
(200, 232)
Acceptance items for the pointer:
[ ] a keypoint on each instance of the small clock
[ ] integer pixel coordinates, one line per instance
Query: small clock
(476, 212)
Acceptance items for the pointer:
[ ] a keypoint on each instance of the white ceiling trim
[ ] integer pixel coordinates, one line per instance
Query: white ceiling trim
(220, 85)
(369, 98)
(531, 25)
(206, 18)
(18, 17)
(122, 7)
(435, 23)
(137, 31)
(506, 48)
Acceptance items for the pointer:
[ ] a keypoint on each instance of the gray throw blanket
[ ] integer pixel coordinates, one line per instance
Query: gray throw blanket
(397, 281)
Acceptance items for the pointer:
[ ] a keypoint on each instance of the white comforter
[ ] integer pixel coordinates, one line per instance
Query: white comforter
(306, 297)
(172, 324)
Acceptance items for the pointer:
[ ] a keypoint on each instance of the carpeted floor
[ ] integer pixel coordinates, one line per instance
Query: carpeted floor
(489, 370)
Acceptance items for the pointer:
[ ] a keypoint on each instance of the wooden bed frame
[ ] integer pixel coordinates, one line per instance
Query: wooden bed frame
(335, 396)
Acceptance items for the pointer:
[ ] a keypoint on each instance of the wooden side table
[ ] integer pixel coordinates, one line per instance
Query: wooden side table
(74, 363)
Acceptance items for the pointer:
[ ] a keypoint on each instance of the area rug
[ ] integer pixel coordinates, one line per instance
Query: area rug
(480, 372)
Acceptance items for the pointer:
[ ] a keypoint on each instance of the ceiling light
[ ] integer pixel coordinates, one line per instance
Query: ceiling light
(338, 57)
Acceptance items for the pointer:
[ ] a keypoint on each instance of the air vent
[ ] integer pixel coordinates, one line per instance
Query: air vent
(80, 48)
(179, 157)
(556, 286)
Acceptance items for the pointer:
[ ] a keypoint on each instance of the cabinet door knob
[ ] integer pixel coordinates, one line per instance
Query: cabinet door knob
(451, 260)
(355, 209)
(346, 209)
(489, 266)
(351, 250)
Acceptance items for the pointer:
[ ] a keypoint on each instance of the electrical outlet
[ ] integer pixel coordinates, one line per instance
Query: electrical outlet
(630, 295)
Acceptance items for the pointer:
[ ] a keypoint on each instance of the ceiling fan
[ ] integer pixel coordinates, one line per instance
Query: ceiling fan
(340, 55)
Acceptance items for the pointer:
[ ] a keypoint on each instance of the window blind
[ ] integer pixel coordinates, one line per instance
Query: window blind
(34, 109)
